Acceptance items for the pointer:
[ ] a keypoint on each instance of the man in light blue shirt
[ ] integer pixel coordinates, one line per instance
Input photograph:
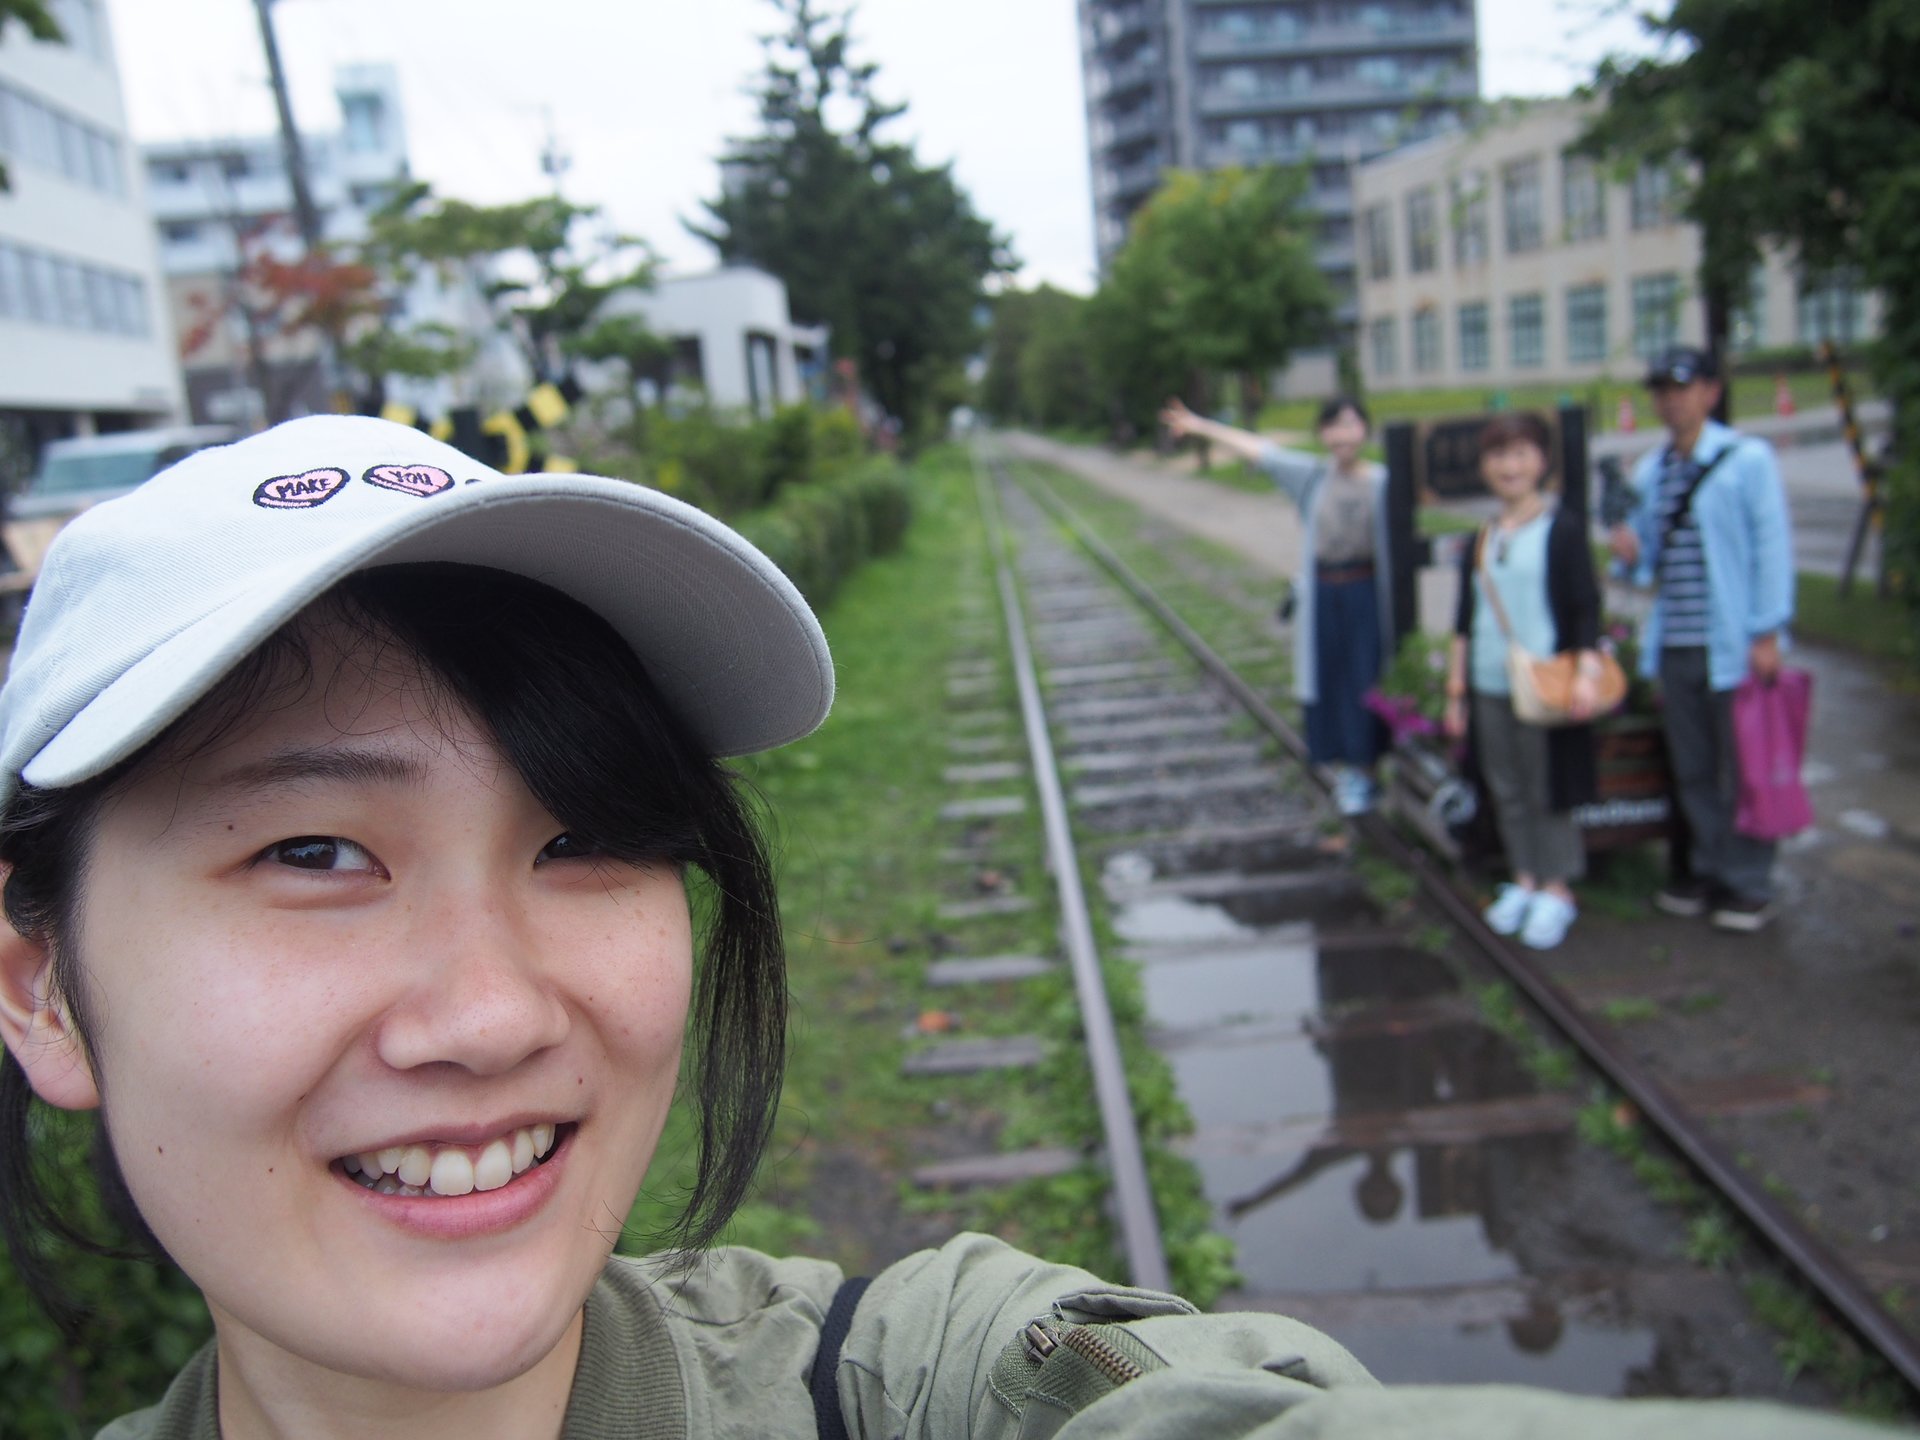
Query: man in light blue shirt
(1710, 531)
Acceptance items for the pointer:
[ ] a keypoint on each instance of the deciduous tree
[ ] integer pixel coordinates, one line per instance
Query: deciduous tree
(541, 262)
(1798, 125)
(1217, 280)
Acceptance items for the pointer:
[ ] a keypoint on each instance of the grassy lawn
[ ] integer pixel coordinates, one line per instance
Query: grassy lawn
(1862, 622)
(1752, 395)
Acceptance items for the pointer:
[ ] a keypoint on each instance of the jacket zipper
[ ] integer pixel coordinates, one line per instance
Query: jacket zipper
(1042, 1339)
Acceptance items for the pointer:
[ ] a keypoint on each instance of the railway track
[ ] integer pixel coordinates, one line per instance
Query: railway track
(1379, 1141)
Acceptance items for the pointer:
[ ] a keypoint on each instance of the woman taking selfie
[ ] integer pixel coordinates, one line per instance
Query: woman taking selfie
(1527, 580)
(1342, 587)
(352, 797)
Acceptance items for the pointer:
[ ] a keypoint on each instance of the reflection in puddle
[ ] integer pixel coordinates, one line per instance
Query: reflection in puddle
(1297, 1057)
(1174, 920)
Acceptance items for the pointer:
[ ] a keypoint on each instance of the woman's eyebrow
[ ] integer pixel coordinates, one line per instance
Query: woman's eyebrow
(323, 764)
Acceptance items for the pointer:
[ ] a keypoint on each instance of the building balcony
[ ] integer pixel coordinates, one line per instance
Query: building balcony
(1145, 123)
(1123, 182)
(1453, 32)
(1218, 153)
(1140, 73)
(1214, 100)
(1109, 24)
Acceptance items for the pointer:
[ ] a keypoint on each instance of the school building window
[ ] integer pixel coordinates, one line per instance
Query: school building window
(1583, 198)
(1475, 346)
(70, 294)
(1470, 220)
(1527, 331)
(1423, 231)
(1654, 204)
(39, 136)
(1378, 225)
(1426, 341)
(1587, 323)
(1747, 329)
(1520, 202)
(1831, 307)
(1656, 314)
(1383, 340)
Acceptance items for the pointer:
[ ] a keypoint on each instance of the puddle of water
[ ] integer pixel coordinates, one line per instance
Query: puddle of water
(1227, 1086)
(1399, 1219)
(1546, 1347)
(1174, 920)
(1362, 974)
(1263, 983)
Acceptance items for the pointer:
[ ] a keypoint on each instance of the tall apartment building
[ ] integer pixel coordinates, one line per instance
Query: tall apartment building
(1201, 84)
(85, 344)
(218, 201)
(1498, 257)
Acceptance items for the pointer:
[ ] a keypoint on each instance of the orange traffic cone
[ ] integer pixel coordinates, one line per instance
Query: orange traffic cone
(1782, 397)
(1625, 422)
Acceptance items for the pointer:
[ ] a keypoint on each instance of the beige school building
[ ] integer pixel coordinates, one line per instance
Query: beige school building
(1494, 257)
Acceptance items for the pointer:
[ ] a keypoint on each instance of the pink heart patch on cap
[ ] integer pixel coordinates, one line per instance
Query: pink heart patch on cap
(300, 492)
(422, 480)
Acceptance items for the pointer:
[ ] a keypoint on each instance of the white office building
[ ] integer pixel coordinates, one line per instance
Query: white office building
(217, 202)
(732, 337)
(1497, 257)
(85, 340)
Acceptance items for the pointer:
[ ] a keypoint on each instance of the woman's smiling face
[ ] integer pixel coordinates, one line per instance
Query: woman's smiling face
(349, 928)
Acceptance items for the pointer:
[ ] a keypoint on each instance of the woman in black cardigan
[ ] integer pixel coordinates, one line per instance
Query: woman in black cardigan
(1537, 555)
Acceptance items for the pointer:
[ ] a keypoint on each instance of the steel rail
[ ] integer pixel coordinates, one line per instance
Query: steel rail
(1818, 1265)
(1138, 1216)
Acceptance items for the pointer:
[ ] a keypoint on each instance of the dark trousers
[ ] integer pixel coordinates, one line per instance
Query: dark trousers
(1706, 773)
(1346, 648)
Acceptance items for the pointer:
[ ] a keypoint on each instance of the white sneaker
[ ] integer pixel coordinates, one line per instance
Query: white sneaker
(1508, 912)
(1548, 920)
(1353, 792)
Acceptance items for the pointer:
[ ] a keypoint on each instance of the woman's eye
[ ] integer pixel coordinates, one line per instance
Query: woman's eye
(321, 852)
(567, 846)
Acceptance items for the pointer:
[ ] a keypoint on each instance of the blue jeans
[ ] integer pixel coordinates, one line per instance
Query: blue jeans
(1346, 644)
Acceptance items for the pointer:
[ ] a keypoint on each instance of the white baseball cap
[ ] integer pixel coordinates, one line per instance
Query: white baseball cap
(146, 601)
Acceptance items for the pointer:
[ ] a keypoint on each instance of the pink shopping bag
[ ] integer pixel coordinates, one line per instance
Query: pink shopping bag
(1770, 733)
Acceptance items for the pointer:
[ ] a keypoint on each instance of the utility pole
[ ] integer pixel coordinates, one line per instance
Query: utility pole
(295, 157)
(305, 214)
(555, 160)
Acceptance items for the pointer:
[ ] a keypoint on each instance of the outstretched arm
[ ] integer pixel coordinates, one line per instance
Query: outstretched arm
(1182, 422)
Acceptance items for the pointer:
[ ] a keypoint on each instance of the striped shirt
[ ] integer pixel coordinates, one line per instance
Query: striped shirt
(1683, 561)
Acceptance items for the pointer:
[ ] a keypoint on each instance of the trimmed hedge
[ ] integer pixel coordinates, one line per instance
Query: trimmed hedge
(819, 534)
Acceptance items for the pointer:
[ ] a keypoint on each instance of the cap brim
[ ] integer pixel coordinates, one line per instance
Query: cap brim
(732, 646)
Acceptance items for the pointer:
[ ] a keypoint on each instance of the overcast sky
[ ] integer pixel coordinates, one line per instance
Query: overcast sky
(643, 93)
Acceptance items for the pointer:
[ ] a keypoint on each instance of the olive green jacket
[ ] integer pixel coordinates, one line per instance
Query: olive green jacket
(976, 1339)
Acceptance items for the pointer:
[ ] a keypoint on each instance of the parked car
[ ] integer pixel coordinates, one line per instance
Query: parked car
(75, 474)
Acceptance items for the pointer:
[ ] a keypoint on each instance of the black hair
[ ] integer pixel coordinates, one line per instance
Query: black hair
(1333, 408)
(574, 712)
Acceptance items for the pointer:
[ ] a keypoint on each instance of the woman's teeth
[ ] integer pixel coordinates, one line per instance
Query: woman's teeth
(450, 1169)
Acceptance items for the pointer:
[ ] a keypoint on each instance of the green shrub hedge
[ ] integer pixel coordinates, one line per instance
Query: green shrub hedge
(821, 533)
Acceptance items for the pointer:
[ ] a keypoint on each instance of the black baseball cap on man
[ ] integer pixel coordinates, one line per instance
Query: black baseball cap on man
(1682, 365)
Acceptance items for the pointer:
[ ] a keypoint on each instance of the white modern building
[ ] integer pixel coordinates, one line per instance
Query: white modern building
(1497, 257)
(218, 202)
(733, 339)
(85, 340)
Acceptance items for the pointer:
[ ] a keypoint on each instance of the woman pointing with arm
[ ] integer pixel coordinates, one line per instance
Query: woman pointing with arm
(1341, 584)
